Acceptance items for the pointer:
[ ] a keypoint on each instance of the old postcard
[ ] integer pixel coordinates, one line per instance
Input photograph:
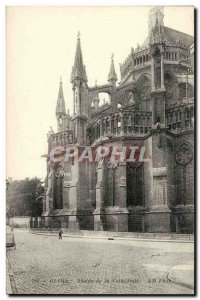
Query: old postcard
(100, 150)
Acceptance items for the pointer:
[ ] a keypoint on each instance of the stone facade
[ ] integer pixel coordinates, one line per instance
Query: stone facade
(153, 106)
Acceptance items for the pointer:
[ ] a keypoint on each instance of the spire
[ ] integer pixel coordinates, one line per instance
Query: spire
(78, 70)
(60, 107)
(112, 77)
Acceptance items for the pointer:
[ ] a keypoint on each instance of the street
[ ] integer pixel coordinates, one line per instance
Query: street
(45, 265)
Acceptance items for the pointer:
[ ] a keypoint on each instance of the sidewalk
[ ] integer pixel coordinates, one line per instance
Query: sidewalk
(182, 275)
(8, 283)
(153, 237)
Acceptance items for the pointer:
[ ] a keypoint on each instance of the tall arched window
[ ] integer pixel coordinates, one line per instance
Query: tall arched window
(112, 190)
(174, 120)
(182, 90)
(187, 117)
(185, 92)
(110, 187)
(169, 121)
(135, 183)
(136, 123)
(58, 187)
(184, 175)
(125, 121)
(178, 119)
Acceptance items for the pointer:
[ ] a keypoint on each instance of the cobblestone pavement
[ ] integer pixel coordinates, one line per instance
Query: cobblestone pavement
(45, 265)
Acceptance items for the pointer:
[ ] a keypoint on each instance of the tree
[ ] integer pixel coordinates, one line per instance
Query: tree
(24, 197)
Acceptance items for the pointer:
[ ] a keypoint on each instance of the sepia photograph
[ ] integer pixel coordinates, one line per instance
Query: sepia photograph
(100, 150)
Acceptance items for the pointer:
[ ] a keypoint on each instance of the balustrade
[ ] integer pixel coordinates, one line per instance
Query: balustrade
(143, 56)
(180, 118)
(60, 139)
(134, 60)
(118, 124)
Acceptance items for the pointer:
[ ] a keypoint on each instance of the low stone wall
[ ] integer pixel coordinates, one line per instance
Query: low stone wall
(107, 234)
(20, 222)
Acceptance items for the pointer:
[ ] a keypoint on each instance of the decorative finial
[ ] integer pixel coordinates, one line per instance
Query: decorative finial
(112, 77)
(78, 35)
(95, 82)
(60, 79)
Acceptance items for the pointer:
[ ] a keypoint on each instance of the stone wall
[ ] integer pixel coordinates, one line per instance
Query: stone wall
(20, 222)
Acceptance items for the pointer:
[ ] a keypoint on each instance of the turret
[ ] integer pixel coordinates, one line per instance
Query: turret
(68, 120)
(156, 17)
(80, 89)
(60, 108)
(157, 48)
(79, 80)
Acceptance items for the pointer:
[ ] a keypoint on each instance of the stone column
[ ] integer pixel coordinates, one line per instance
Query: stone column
(101, 129)
(122, 184)
(122, 124)
(98, 226)
(39, 222)
(152, 73)
(110, 126)
(73, 196)
(115, 124)
(162, 70)
(96, 132)
(66, 189)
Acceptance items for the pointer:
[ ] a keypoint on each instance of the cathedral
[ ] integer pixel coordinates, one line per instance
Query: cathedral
(152, 106)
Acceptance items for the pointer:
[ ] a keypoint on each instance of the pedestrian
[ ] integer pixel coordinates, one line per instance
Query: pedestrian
(60, 235)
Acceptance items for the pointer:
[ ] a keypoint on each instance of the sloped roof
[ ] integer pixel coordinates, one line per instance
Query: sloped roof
(172, 36)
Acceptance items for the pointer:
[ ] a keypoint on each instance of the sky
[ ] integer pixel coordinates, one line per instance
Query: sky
(40, 48)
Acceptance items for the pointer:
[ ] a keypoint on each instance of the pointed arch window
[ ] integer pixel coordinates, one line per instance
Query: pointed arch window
(125, 121)
(174, 121)
(58, 187)
(135, 183)
(136, 123)
(184, 157)
(169, 121)
(178, 119)
(187, 117)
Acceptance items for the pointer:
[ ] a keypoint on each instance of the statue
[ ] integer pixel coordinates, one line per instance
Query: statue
(70, 138)
(50, 132)
(130, 98)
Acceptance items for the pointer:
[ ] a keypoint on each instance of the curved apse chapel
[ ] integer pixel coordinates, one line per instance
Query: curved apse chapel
(153, 106)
